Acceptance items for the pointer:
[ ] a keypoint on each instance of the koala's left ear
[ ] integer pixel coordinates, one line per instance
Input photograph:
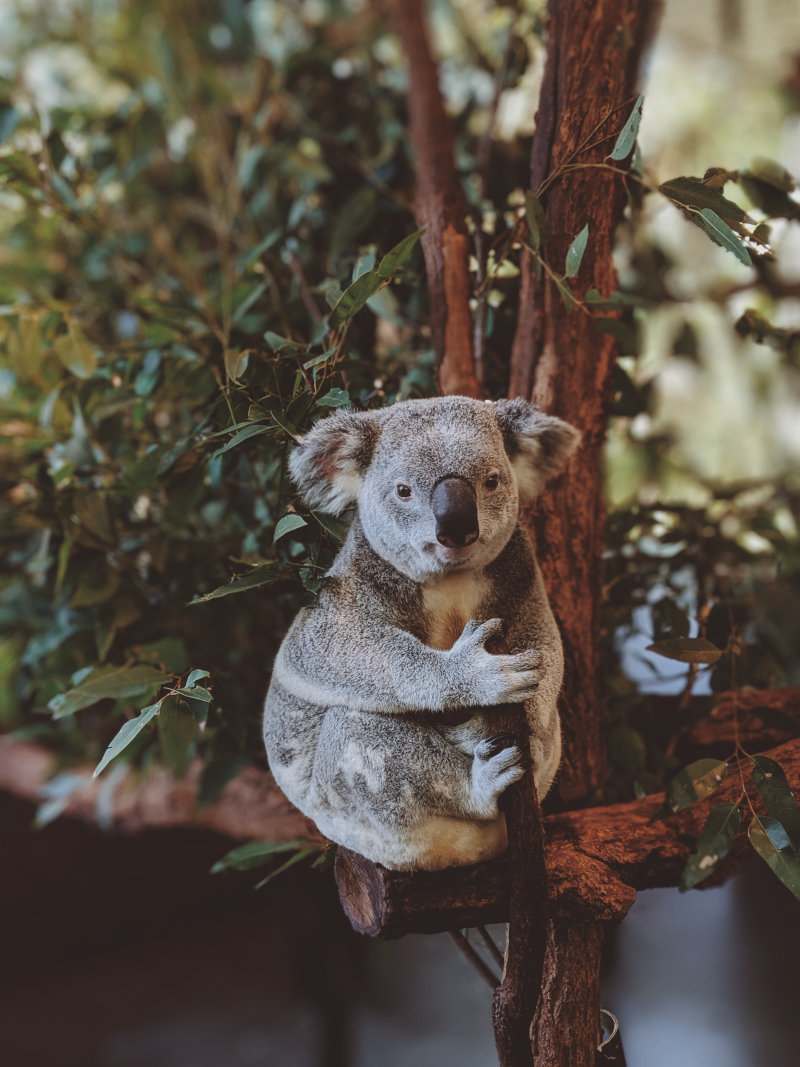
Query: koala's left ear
(538, 445)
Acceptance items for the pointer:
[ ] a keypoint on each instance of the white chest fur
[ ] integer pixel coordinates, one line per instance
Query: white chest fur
(450, 603)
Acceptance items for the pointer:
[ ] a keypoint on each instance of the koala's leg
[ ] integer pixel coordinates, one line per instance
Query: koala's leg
(400, 793)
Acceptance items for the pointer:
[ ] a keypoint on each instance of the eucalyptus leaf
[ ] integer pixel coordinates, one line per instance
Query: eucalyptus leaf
(695, 782)
(335, 398)
(575, 252)
(628, 133)
(116, 682)
(258, 576)
(535, 217)
(127, 733)
(724, 235)
(713, 845)
(288, 524)
(177, 729)
(355, 297)
(782, 861)
(252, 430)
(397, 256)
(255, 854)
(773, 788)
(687, 650)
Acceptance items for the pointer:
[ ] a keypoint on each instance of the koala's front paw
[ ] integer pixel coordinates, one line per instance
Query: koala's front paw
(496, 765)
(488, 679)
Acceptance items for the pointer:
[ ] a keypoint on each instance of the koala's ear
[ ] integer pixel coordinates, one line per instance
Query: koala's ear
(538, 445)
(330, 461)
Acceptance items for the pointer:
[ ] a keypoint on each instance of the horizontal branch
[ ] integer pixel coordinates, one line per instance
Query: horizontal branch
(597, 859)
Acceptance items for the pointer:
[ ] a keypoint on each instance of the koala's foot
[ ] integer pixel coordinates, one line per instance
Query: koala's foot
(497, 763)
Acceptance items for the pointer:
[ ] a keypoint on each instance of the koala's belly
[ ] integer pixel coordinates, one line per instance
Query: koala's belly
(449, 604)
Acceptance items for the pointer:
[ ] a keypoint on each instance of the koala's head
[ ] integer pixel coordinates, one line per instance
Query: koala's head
(438, 482)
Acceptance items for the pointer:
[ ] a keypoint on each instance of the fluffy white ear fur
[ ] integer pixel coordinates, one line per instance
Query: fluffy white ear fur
(329, 462)
(538, 445)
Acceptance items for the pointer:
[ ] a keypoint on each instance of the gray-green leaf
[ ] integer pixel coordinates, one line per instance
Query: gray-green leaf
(102, 683)
(132, 728)
(255, 854)
(723, 235)
(258, 576)
(781, 861)
(398, 255)
(713, 845)
(575, 252)
(287, 524)
(695, 782)
(627, 135)
(773, 788)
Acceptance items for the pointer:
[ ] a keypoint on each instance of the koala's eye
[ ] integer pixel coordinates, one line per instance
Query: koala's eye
(492, 482)
(404, 491)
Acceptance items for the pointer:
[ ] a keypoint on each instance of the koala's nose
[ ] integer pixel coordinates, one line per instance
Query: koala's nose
(456, 512)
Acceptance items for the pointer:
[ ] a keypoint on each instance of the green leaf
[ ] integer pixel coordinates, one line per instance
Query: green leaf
(355, 297)
(535, 217)
(76, 352)
(687, 650)
(627, 135)
(296, 858)
(261, 575)
(695, 782)
(773, 788)
(398, 255)
(129, 731)
(236, 363)
(575, 252)
(336, 398)
(723, 235)
(287, 524)
(253, 430)
(177, 728)
(781, 860)
(195, 676)
(102, 683)
(693, 195)
(255, 854)
(713, 845)
(248, 302)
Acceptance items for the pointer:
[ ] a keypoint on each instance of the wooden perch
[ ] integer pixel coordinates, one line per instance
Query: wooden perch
(596, 860)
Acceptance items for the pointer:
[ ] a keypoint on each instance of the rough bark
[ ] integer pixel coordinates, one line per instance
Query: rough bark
(566, 1029)
(439, 205)
(559, 360)
(515, 1000)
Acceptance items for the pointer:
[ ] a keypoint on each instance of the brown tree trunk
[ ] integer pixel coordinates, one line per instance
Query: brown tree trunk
(559, 360)
(439, 206)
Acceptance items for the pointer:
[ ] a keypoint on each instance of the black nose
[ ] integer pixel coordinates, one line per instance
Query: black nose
(456, 512)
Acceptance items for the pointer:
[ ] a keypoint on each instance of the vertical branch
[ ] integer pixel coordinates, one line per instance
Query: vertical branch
(558, 359)
(439, 205)
(515, 1001)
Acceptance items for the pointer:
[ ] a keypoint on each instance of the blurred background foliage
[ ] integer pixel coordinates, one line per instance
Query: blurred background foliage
(187, 191)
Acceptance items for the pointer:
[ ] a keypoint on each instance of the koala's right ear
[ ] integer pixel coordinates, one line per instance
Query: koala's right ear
(330, 461)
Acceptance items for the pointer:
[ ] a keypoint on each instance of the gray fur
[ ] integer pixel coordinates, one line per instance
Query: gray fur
(378, 719)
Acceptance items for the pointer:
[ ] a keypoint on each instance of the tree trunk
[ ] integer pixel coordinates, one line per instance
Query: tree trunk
(559, 359)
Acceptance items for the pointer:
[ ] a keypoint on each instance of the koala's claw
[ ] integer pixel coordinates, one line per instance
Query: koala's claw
(492, 745)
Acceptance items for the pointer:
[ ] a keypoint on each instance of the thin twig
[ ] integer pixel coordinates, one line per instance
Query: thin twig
(488, 940)
(480, 966)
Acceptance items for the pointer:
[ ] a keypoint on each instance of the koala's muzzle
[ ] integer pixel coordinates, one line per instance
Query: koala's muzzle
(456, 512)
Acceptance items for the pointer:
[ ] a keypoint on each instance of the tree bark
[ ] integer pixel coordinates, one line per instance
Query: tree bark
(439, 206)
(559, 360)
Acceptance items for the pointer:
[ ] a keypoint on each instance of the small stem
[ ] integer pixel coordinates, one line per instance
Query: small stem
(488, 940)
(483, 970)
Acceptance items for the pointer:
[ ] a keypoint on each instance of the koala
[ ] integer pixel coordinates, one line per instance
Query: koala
(378, 718)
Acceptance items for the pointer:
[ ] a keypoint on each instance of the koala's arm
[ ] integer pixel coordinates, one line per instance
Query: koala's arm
(336, 659)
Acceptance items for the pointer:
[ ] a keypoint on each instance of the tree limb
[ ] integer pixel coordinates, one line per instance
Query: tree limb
(439, 205)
